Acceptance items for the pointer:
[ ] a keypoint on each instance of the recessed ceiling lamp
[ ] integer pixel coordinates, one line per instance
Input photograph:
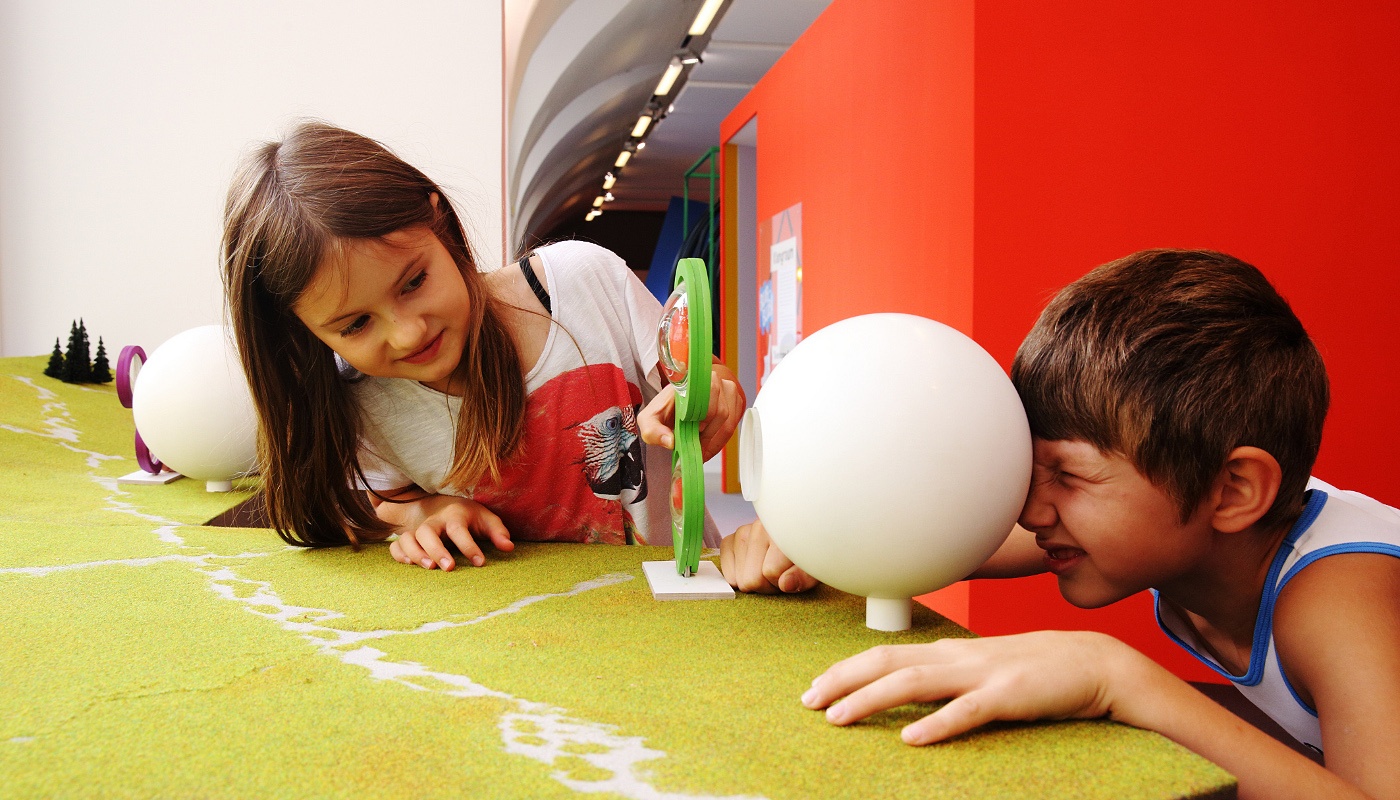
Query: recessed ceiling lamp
(622, 158)
(705, 17)
(643, 122)
(608, 181)
(597, 201)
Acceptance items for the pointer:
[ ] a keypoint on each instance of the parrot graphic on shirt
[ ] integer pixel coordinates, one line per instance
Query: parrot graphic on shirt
(612, 453)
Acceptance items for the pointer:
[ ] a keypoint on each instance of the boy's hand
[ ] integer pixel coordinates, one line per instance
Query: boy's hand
(1042, 675)
(752, 563)
(459, 519)
(727, 404)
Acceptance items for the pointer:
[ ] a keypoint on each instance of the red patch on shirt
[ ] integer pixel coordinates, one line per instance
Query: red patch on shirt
(580, 463)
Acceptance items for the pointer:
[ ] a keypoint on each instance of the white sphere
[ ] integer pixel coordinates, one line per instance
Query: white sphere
(193, 409)
(888, 455)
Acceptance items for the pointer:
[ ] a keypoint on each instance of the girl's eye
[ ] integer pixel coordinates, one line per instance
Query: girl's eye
(417, 282)
(355, 327)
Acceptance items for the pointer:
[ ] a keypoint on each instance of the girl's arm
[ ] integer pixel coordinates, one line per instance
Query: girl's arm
(1063, 675)
(422, 520)
(1337, 634)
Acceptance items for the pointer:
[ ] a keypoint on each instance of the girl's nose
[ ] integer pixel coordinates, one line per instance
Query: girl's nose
(406, 332)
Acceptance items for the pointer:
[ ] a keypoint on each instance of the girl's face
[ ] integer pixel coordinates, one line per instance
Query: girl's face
(395, 307)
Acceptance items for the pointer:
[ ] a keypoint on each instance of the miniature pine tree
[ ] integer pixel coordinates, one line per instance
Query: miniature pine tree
(55, 367)
(76, 366)
(101, 369)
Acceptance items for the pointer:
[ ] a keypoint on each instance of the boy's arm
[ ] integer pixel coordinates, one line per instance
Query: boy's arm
(752, 563)
(1063, 675)
(1337, 634)
(1017, 557)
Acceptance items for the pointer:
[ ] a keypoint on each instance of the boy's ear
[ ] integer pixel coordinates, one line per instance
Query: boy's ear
(1245, 489)
(433, 199)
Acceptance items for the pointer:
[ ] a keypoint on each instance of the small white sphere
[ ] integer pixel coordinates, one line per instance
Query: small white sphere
(888, 455)
(193, 409)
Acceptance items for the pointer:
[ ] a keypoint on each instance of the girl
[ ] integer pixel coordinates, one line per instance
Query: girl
(501, 405)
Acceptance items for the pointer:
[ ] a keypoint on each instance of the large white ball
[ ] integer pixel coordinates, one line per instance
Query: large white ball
(888, 455)
(192, 407)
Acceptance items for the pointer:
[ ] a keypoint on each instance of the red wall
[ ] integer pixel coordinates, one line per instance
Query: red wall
(836, 134)
(964, 160)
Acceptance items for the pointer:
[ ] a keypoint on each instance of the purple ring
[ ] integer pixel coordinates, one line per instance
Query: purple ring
(124, 387)
(147, 461)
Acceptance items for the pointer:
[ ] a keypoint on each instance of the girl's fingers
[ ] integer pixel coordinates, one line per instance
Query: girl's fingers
(409, 549)
(461, 536)
(652, 422)
(495, 530)
(434, 553)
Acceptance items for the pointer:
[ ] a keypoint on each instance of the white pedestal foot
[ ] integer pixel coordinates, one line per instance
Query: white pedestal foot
(885, 614)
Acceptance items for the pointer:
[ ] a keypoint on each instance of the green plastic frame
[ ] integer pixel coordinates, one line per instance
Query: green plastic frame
(692, 403)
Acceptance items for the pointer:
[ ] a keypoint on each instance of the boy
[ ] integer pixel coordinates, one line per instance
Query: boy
(1176, 405)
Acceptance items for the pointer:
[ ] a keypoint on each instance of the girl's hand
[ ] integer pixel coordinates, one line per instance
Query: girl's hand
(727, 404)
(461, 520)
(752, 563)
(1042, 675)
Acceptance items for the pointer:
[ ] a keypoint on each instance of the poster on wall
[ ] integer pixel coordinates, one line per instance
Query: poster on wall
(779, 288)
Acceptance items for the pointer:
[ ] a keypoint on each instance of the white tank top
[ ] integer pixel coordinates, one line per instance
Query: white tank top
(1333, 522)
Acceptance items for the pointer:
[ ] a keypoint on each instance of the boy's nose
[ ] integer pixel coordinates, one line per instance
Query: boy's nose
(1037, 513)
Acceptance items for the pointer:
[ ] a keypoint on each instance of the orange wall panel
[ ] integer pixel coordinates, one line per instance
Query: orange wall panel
(964, 160)
(844, 135)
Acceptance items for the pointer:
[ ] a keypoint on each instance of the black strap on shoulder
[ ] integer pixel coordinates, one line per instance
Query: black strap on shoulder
(535, 285)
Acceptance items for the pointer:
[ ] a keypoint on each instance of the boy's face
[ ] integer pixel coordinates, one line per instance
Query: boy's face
(1106, 530)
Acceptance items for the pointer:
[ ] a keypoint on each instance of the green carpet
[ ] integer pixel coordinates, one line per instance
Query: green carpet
(145, 655)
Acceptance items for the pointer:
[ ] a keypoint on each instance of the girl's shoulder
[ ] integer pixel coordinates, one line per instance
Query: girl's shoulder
(573, 259)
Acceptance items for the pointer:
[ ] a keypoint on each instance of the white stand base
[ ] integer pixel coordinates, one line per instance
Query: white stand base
(706, 584)
(884, 614)
(143, 478)
(218, 486)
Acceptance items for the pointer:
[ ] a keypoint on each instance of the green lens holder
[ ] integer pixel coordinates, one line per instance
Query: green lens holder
(685, 346)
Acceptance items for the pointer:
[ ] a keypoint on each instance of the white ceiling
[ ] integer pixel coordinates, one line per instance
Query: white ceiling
(585, 71)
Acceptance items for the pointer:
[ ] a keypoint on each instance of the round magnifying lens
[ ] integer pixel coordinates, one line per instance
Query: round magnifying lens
(677, 501)
(673, 336)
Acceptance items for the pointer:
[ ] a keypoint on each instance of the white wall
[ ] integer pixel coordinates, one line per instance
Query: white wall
(121, 123)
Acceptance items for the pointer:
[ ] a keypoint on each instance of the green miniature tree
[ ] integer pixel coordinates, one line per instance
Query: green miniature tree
(76, 366)
(55, 367)
(101, 369)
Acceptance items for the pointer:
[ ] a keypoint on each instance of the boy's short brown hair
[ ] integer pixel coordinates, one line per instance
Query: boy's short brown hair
(1172, 358)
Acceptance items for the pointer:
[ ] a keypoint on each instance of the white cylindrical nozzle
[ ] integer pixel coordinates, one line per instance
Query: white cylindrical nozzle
(886, 614)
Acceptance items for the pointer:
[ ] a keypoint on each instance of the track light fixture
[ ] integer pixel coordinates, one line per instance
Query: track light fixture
(705, 16)
(668, 78)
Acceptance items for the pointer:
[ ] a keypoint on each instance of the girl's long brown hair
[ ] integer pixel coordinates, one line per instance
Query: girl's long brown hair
(293, 205)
